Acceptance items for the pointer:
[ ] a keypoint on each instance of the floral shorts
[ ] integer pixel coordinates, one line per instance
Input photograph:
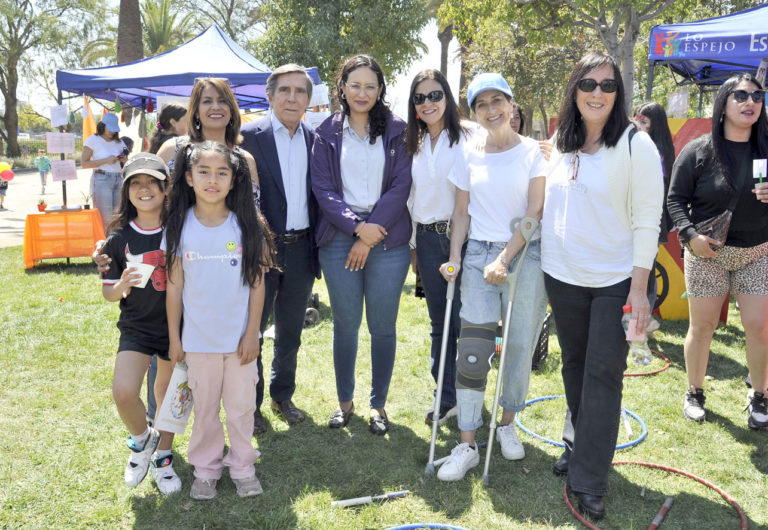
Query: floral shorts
(742, 270)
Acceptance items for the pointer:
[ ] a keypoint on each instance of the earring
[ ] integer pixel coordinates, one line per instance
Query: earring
(343, 96)
(197, 123)
(417, 116)
(231, 121)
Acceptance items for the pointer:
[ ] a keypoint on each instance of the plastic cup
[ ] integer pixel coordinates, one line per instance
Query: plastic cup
(145, 269)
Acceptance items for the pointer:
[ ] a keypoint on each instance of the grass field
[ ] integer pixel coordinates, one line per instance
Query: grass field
(62, 445)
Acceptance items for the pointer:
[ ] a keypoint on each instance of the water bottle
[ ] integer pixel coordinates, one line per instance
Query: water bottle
(638, 344)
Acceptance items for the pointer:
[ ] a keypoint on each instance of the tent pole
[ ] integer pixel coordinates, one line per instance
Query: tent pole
(701, 101)
(649, 88)
(62, 157)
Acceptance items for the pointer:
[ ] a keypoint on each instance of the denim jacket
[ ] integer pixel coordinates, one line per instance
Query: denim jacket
(390, 211)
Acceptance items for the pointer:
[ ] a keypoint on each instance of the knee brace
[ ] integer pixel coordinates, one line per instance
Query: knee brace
(475, 350)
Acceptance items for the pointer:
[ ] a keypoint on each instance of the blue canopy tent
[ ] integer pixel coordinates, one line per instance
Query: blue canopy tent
(173, 73)
(707, 52)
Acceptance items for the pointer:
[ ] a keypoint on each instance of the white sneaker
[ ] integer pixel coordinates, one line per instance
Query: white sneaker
(203, 490)
(138, 464)
(511, 446)
(164, 475)
(248, 487)
(462, 459)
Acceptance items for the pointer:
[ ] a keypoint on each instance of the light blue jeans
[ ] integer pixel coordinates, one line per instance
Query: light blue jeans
(105, 188)
(483, 302)
(379, 284)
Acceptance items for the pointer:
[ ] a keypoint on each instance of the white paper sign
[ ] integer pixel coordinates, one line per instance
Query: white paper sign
(59, 115)
(60, 142)
(63, 170)
(678, 104)
(177, 403)
(758, 169)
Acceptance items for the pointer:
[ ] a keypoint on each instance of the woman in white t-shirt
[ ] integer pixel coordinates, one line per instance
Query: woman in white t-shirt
(502, 180)
(104, 152)
(599, 236)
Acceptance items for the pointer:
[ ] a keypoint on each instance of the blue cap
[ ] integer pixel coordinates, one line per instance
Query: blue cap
(111, 122)
(485, 82)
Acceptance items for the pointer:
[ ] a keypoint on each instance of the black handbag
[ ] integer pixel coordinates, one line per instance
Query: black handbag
(717, 227)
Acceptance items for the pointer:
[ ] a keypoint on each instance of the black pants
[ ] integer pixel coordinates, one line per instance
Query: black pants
(594, 350)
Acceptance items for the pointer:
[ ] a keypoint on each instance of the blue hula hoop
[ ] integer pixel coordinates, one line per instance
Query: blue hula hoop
(417, 526)
(529, 432)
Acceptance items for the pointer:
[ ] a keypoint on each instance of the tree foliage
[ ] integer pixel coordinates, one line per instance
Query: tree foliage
(165, 27)
(239, 19)
(27, 27)
(323, 33)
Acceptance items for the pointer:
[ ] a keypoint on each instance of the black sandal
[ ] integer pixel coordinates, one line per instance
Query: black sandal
(379, 424)
(339, 418)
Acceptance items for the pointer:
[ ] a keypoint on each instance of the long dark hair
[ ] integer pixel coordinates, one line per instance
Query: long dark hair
(163, 129)
(126, 211)
(379, 113)
(101, 127)
(522, 117)
(571, 131)
(759, 135)
(232, 134)
(659, 133)
(451, 117)
(257, 245)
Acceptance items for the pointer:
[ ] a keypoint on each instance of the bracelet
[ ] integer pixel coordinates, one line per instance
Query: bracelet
(502, 260)
(357, 233)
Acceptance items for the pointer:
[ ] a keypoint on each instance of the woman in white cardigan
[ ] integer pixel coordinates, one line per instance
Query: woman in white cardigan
(599, 239)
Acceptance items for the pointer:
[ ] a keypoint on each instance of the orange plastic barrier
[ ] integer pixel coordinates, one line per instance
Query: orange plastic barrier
(63, 234)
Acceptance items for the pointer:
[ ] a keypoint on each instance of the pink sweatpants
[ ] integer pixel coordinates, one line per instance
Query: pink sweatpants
(216, 378)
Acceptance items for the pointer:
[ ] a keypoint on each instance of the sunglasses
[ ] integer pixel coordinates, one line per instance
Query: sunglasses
(434, 97)
(742, 95)
(606, 85)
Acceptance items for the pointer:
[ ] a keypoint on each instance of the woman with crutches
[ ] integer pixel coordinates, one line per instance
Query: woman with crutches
(435, 139)
(599, 237)
(502, 180)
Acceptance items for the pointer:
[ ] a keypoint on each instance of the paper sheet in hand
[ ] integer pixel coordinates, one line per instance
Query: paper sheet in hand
(177, 404)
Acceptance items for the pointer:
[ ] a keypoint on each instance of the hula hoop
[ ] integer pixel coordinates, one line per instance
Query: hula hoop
(417, 526)
(643, 426)
(652, 372)
(742, 517)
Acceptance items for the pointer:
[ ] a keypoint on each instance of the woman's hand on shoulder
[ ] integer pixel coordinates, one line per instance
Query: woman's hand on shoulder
(700, 246)
(545, 146)
(357, 256)
(248, 348)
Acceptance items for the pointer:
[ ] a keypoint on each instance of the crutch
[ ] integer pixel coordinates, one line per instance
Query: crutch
(527, 227)
(450, 268)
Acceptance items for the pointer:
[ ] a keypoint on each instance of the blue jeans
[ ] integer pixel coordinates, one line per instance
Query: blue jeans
(432, 250)
(484, 303)
(379, 284)
(594, 350)
(286, 292)
(106, 195)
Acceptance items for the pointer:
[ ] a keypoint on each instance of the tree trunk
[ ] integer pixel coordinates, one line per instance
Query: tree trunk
(528, 116)
(545, 117)
(444, 37)
(11, 116)
(463, 82)
(129, 37)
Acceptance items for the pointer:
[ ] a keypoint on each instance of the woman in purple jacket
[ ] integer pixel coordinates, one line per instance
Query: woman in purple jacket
(361, 176)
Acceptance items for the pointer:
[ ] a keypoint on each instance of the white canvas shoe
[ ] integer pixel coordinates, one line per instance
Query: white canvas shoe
(511, 446)
(462, 459)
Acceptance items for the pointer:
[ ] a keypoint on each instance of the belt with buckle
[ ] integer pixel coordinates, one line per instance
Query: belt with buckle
(100, 171)
(440, 227)
(293, 236)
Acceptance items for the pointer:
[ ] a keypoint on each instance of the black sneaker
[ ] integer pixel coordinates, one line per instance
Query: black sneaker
(758, 411)
(693, 405)
(445, 413)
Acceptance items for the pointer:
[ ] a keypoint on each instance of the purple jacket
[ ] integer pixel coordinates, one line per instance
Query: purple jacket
(390, 210)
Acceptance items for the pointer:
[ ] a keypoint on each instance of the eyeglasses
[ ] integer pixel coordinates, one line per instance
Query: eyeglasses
(742, 95)
(357, 87)
(606, 85)
(434, 97)
(574, 167)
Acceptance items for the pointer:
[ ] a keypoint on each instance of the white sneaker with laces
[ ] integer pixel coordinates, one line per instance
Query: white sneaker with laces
(138, 464)
(248, 487)
(164, 475)
(511, 446)
(462, 459)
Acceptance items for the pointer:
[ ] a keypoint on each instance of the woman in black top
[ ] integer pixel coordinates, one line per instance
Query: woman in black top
(708, 174)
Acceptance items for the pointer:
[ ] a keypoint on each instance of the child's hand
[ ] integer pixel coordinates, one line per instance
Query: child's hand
(101, 260)
(175, 352)
(248, 349)
(128, 279)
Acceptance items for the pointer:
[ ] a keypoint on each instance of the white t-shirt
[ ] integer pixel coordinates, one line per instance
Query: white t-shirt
(103, 149)
(214, 296)
(498, 187)
(433, 192)
(583, 242)
(362, 169)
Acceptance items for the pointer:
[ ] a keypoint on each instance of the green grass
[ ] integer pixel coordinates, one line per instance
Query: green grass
(63, 447)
